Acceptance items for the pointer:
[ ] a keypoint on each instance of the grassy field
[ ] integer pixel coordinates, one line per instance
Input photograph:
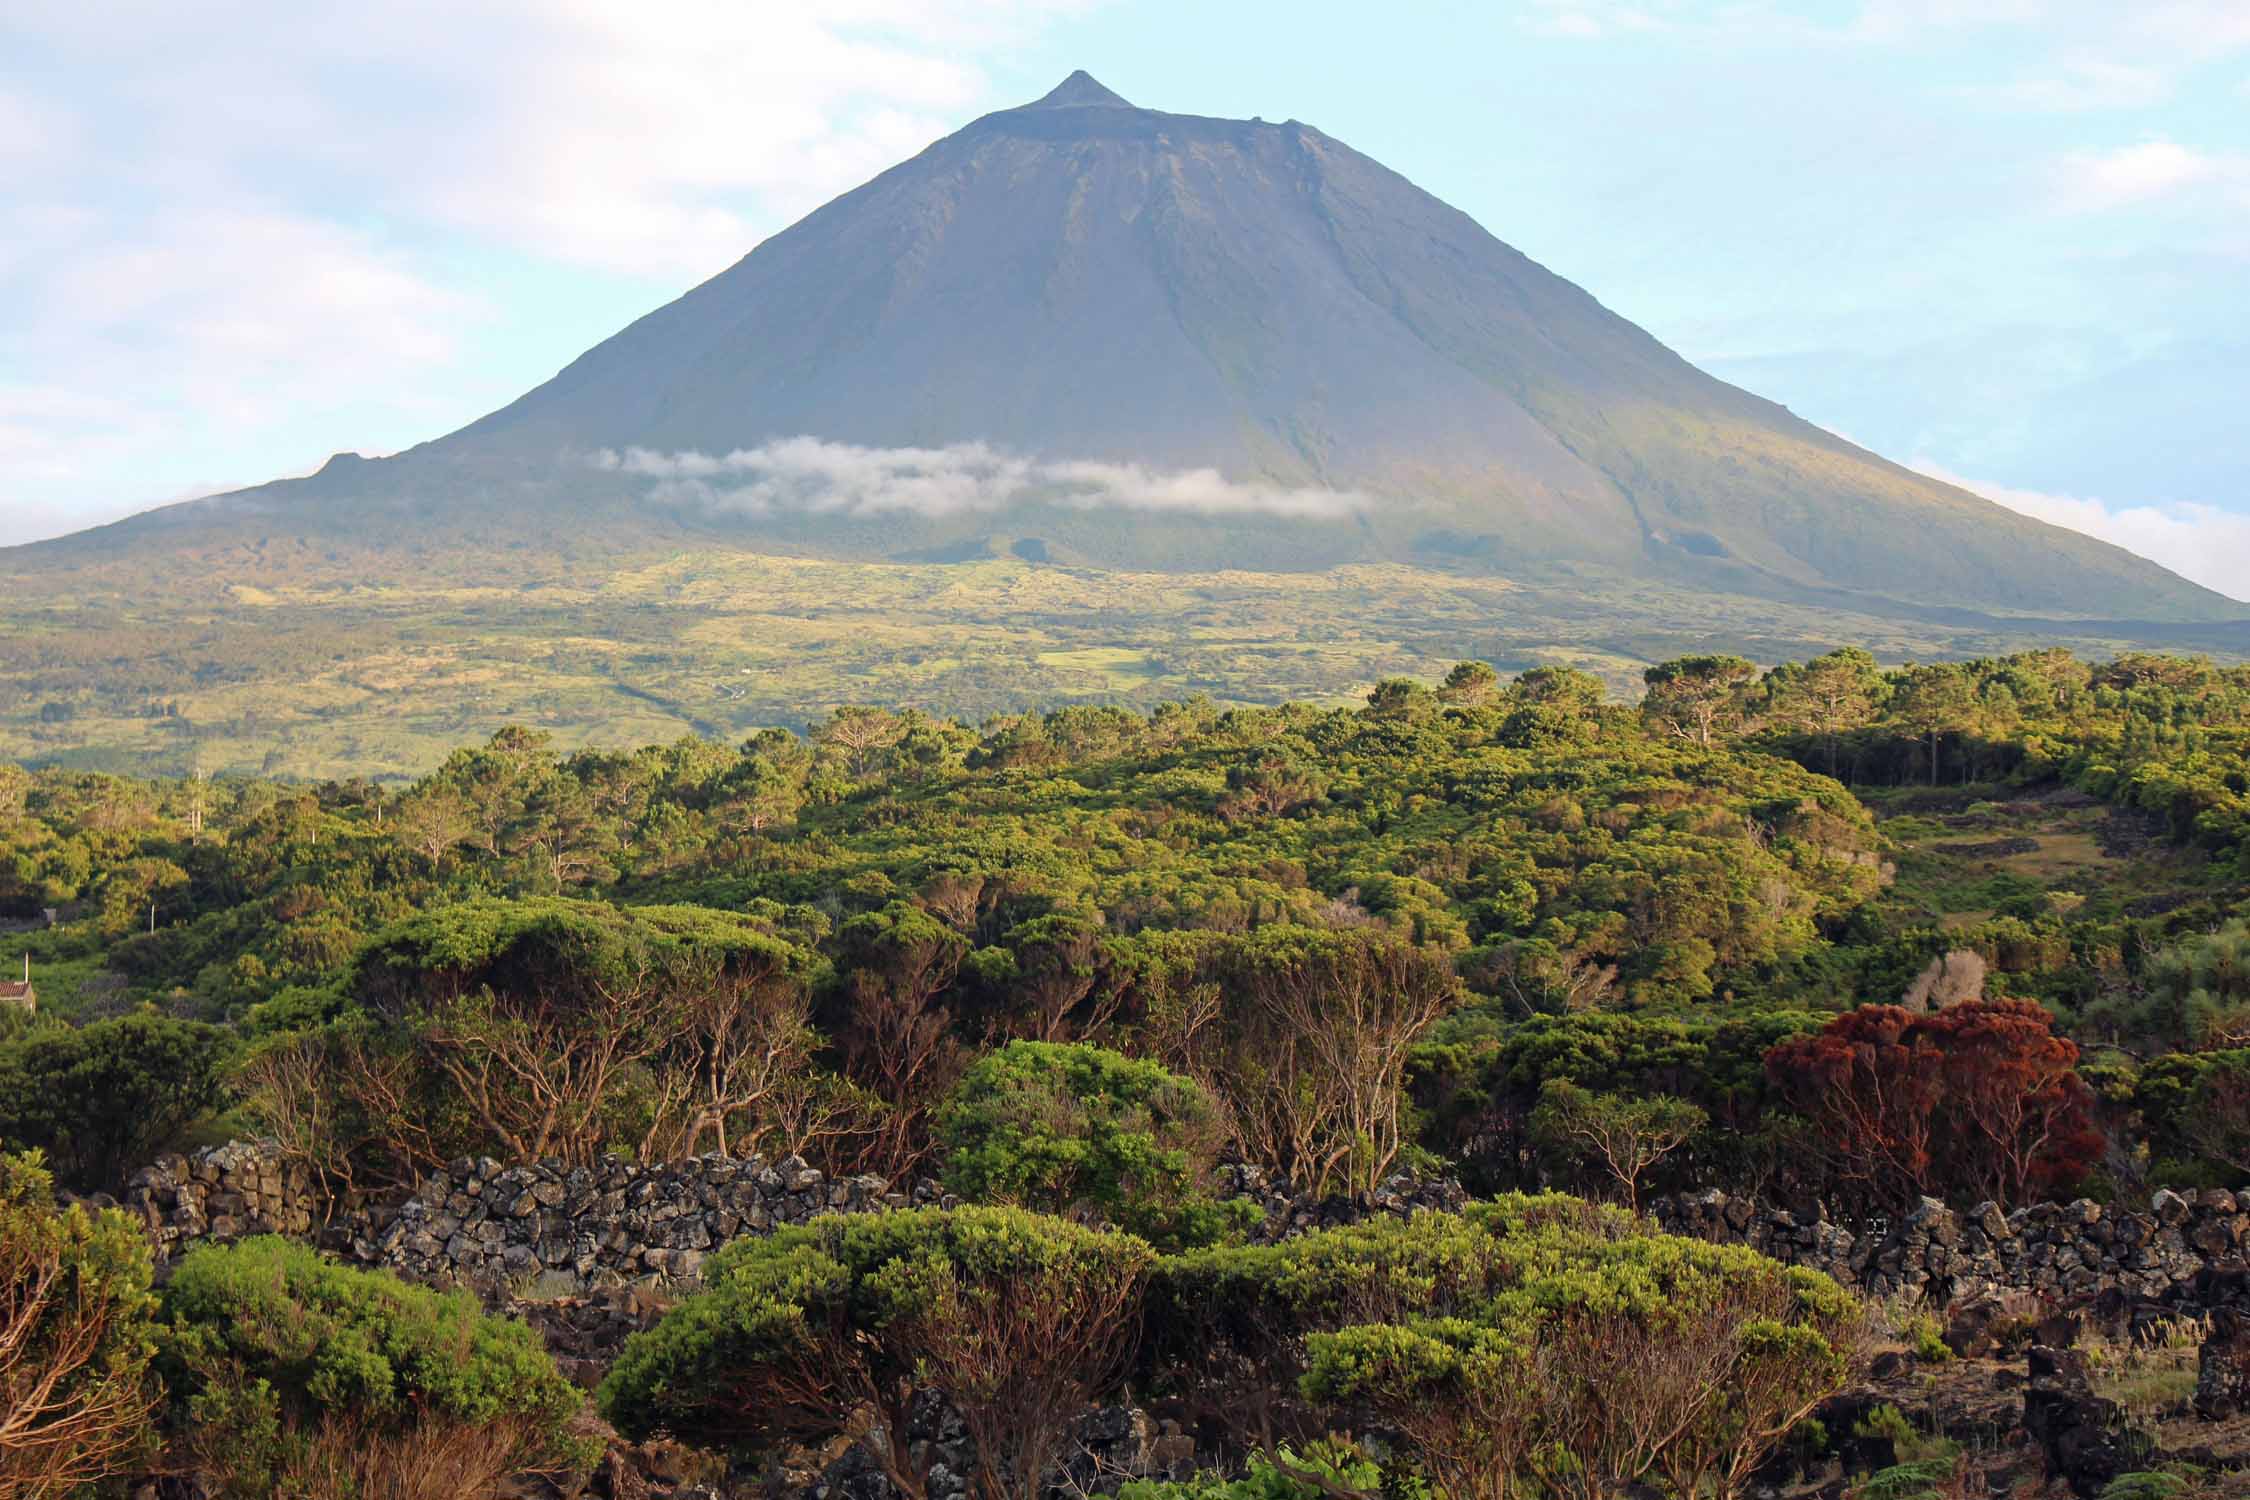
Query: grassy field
(315, 670)
(1965, 855)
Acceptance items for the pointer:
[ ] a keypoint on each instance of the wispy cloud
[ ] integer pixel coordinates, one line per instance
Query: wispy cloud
(2202, 543)
(2097, 181)
(1594, 20)
(805, 475)
(1894, 20)
(2185, 31)
(2087, 83)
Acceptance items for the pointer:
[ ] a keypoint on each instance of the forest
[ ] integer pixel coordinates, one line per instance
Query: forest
(1830, 935)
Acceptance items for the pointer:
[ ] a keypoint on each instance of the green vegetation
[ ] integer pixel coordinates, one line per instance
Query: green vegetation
(1020, 1319)
(1322, 1468)
(262, 1367)
(1620, 1134)
(320, 658)
(1057, 1127)
(77, 1334)
(1489, 924)
(1516, 1343)
(105, 1097)
(1076, 964)
(292, 1374)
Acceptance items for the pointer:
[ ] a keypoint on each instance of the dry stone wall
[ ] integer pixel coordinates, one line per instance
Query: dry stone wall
(488, 1222)
(481, 1221)
(221, 1193)
(491, 1223)
(2060, 1251)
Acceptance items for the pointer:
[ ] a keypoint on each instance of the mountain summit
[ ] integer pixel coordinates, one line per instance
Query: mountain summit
(1080, 87)
(1110, 335)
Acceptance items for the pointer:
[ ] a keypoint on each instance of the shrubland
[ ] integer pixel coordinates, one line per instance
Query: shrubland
(1468, 923)
(1828, 932)
(1533, 1345)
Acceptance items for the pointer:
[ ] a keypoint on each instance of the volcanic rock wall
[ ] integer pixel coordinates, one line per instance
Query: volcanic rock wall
(2064, 1251)
(492, 1223)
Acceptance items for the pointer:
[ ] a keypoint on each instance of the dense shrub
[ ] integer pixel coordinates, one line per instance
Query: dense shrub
(1226, 1327)
(275, 1356)
(1020, 1320)
(550, 1027)
(2199, 989)
(1322, 1470)
(2195, 1107)
(1375, 936)
(1057, 1127)
(102, 1099)
(1531, 1341)
(1609, 1362)
(1480, 1087)
(76, 1339)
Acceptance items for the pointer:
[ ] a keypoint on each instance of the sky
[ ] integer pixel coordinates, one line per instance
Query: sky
(2004, 241)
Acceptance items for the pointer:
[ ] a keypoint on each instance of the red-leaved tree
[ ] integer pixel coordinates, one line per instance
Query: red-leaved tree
(1980, 1100)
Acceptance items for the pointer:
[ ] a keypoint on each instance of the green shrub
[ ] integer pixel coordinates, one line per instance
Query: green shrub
(1497, 1340)
(1887, 1421)
(1927, 1340)
(1058, 1127)
(2178, 1481)
(1922, 1479)
(1600, 1342)
(103, 1099)
(1022, 1321)
(1319, 1471)
(1229, 1323)
(268, 1346)
(76, 1331)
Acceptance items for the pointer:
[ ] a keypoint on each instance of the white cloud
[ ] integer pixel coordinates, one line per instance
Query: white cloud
(1592, 20)
(1894, 20)
(2095, 181)
(2201, 543)
(243, 232)
(805, 475)
(2087, 83)
(2198, 28)
(2174, 31)
(660, 139)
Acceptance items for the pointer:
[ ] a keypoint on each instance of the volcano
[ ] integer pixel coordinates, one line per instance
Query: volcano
(1086, 332)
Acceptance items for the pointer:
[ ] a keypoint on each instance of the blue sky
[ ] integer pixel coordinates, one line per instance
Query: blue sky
(2004, 240)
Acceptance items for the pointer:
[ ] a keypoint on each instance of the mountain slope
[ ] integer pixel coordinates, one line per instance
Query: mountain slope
(1108, 298)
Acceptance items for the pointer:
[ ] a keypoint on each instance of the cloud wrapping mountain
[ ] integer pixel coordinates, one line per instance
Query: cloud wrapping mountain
(808, 476)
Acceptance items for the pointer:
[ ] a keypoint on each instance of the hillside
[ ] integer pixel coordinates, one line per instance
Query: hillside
(1081, 381)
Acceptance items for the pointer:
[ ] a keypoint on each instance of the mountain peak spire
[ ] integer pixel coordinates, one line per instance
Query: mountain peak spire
(1080, 88)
